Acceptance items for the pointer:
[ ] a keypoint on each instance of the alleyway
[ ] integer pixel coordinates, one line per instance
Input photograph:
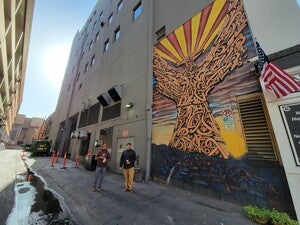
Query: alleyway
(150, 203)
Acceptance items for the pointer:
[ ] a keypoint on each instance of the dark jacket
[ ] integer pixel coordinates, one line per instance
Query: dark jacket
(130, 156)
(103, 154)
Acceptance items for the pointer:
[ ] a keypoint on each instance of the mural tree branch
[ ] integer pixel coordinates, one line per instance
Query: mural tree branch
(189, 76)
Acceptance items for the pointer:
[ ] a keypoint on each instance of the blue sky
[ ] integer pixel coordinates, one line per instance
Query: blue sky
(54, 25)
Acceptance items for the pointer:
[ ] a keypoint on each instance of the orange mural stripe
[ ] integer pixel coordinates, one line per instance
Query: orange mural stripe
(217, 26)
(165, 56)
(168, 45)
(202, 24)
(213, 35)
(188, 35)
(180, 36)
(173, 39)
(194, 30)
(164, 50)
(217, 7)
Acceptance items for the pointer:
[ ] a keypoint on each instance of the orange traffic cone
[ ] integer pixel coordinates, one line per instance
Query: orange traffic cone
(65, 161)
(22, 154)
(53, 158)
(76, 161)
(57, 155)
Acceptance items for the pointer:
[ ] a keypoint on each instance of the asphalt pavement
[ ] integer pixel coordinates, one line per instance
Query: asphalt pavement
(149, 204)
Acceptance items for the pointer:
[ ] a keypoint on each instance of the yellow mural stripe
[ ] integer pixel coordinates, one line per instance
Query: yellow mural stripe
(164, 55)
(214, 34)
(195, 29)
(215, 11)
(168, 45)
(181, 39)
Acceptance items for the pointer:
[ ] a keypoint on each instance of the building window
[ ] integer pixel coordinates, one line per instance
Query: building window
(117, 33)
(120, 5)
(106, 45)
(97, 37)
(80, 86)
(93, 60)
(91, 45)
(78, 75)
(160, 33)
(95, 23)
(82, 55)
(110, 18)
(111, 112)
(137, 10)
(100, 15)
(86, 67)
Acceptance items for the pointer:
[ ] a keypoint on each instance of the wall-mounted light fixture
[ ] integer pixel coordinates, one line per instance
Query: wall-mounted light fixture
(129, 105)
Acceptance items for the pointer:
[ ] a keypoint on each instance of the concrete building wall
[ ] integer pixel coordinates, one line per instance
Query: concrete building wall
(170, 14)
(125, 63)
(275, 30)
(15, 28)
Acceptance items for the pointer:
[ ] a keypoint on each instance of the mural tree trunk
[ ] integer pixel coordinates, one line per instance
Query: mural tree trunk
(188, 83)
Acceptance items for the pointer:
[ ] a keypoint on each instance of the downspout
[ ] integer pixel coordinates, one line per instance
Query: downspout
(149, 91)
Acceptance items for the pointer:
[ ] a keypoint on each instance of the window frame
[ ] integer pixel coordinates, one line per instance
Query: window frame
(86, 67)
(136, 7)
(120, 5)
(117, 31)
(97, 36)
(110, 19)
(106, 45)
(93, 60)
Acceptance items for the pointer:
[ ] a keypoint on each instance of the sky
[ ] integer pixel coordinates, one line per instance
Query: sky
(55, 23)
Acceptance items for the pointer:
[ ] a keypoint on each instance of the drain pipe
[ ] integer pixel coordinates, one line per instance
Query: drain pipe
(149, 91)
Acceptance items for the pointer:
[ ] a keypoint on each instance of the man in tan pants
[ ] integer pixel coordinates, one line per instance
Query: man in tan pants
(127, 164)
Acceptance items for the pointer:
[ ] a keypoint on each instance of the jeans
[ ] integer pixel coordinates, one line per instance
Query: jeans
(99, 175)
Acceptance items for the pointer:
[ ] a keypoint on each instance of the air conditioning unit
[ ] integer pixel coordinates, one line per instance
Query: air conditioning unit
(75, 134)
(83, 135)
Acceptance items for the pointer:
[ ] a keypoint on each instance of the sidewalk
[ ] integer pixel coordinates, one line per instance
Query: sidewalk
(150, 203)
(10, 165)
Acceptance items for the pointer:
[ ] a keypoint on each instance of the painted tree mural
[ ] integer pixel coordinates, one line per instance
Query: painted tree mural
(190, 62)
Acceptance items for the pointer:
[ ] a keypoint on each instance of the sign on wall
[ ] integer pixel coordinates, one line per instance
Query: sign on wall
(291, 117)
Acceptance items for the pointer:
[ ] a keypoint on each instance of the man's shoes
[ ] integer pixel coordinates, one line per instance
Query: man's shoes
(125, 190)
(129, 190)
(99, 189)
(94, 189)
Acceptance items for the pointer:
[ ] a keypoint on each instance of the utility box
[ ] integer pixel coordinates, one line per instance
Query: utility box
(90, 162)
(138, 174)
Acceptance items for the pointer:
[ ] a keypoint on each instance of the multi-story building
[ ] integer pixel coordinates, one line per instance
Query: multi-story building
(26, 130)
(15, 27)
(177, 80)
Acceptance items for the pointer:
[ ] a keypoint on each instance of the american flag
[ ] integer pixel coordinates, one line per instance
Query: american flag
(274, 78)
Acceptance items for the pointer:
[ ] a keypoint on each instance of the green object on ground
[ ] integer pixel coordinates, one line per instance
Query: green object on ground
(41, 147)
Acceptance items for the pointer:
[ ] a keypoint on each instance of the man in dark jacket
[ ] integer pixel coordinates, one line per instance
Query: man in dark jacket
(127, 164)
(102, 158)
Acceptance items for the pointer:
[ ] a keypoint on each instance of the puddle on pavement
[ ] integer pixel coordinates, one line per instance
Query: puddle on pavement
(35, 204)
